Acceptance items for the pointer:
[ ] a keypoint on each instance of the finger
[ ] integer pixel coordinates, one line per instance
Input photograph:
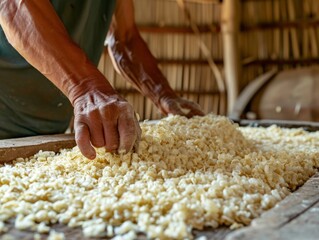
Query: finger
(195, 112)
(128, 131)
(82, 138)
(139, 134)
(96, 130)
(177, 109)
(111, 136)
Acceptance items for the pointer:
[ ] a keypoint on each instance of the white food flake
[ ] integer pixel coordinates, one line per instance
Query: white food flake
(3, 228)
(56, 235)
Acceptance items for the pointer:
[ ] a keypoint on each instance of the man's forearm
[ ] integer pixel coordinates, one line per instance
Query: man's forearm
(135, 62)
(36, 32)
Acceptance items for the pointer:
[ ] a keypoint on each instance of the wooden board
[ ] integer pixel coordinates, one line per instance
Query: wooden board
(294, 218)
(306, 125)
(11, 149)
(76, 234)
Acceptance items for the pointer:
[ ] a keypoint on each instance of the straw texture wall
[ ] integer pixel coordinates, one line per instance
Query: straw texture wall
(273, 33)
(278, 33)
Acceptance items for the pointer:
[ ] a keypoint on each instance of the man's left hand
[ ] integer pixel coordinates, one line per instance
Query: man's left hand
(179, 106)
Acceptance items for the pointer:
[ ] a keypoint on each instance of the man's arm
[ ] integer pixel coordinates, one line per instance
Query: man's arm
(134, 61)
(102, 118)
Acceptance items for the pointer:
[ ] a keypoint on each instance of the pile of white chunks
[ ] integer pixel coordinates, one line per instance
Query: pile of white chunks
(187, 174)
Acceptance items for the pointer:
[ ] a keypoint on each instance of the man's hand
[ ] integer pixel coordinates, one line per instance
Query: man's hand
(104, 121)
(134, 61)
(101, 117)
(179, 106)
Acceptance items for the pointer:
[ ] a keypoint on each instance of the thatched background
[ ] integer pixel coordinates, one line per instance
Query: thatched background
(273, 33)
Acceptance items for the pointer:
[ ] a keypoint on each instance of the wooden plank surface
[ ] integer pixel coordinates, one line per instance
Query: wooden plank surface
(306, 125)
(294, 218)
(11, 149)
(76, 233)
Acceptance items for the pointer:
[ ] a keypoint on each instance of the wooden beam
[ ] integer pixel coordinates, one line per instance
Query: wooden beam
(245, 62)
(216, 28)
(153, 28)
(302, 61)
(191, 92)
(230, 20)
(187, 61)
(280, 25)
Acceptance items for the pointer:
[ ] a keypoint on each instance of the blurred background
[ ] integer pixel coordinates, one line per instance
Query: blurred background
(250, 59)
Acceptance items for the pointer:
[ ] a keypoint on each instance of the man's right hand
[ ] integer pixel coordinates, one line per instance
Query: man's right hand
(104, 121)
(102, 118)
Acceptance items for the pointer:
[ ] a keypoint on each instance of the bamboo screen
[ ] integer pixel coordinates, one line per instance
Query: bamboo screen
(278, 33)
(273, 33)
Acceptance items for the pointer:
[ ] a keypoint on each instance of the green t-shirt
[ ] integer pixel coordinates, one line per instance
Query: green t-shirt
(29, 103)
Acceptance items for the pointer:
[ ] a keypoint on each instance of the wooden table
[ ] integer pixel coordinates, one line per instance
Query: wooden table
(294, 218)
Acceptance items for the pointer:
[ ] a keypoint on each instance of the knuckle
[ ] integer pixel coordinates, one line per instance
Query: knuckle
(78, 129)
(97, 143)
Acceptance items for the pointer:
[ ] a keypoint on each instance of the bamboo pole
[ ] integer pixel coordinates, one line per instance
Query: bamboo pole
(277, 41)
(311, 30)
(293, 31)
(305, 42)
(230, 29)
(285, 45)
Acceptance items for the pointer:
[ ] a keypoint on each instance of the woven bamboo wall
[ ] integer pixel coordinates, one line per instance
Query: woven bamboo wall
(274, 33)
(278, 33)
